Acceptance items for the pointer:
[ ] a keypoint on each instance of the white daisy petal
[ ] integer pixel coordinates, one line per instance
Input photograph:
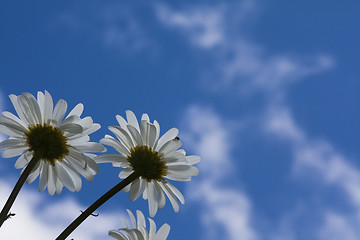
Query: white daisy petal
(14, 101)
(126, 189)
(76, 111)
(78, 139)
(89, 147)
(44, 176)
(169, 147)
(71, 128)
(145, 117)
(140, 220)
(15, 118)
(51, 180)
(73, 175)
(173, 157)
(160, 195)
(41, 103)
(71, 119)
(123, 136)
(86, 122)
(13, 152)
(174, 202)
(144, 232)
(192, 160)
(26, 109)
(131, 119)
(64, 177)
(84, 171)
(92, 129)
(91, 164)
(169, 135)
(34, 107)
(12, 124)
(110, 158)
(138, 230)
(58, 185)
(59, 110)
(125, 173)
(157, 125)
(132, 218)
(145, 152)
(152, 229)
(38, 121)
(134, 190)
(137, 189)
(176, 191)
(118, 235)
(34, 173)
(122, 122)
(108, 140)
(11, 132)
(163, 232)
(12, 143)
(136, 135)
(153, 204)
(48, 107)
(144, 132)
(21, 162)
(151, 135)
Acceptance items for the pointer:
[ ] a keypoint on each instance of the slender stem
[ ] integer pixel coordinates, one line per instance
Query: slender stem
(96, 205)
(4, 213)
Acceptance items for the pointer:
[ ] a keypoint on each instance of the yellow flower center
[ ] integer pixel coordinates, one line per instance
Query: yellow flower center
(48, 142)
(147, 163)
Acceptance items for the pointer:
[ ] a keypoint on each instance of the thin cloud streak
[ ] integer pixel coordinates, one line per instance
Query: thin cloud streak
(318, 158)
(115, 25)
(226, 212)
(239, 63)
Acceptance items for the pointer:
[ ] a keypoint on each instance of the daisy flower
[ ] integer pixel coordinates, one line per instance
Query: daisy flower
(138, 230)
(152, 158)
(62, 144)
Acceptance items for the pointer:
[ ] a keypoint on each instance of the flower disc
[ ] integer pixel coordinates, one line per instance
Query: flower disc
(48, 142)
(147, 162)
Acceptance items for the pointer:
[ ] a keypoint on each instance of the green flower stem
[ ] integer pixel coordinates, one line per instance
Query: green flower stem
(4, 213)
(97, 204)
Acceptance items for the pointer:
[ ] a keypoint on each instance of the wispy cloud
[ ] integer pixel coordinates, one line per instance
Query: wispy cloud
(226, 212)
(237, 62)
(115, 25)
(318, 158)
(204, 28)
(246, 67)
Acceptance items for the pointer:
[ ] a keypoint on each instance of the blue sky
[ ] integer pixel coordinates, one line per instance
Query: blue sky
(265, 92)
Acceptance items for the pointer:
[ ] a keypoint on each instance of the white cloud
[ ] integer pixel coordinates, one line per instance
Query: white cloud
(319, 159)
(36, 218)
(237, 62)
(121, 29)
(116, 25)
(205, 27)
(338, 227)
(207, 134)
(251, 70)
(316, 155)
(226, 211)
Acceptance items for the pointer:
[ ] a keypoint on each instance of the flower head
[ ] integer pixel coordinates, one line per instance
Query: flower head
(153, 158)
(62, 143)
(138, 230)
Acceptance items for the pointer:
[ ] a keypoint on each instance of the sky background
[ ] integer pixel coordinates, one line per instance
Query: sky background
(266, 92)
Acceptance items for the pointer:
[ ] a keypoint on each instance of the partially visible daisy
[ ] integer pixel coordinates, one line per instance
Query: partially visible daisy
(62, 143)
(138, 230)
(152, 158)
